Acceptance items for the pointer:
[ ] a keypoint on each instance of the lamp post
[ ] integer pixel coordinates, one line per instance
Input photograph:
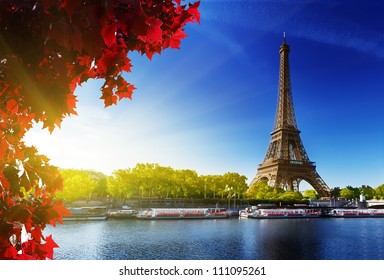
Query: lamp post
(229, 196)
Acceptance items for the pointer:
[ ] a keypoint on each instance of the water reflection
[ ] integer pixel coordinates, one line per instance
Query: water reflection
(297, 239)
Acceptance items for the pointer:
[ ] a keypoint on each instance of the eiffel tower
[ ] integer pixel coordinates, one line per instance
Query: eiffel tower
(286, 162)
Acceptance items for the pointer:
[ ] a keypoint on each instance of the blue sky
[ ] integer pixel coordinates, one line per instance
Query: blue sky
(210, 106)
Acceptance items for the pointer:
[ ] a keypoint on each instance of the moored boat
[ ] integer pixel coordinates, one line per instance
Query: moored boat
(278, 213)
(98, 213)
(247, 212)
(122, 214)
(125, 212)
(183, 213)
(356, 213)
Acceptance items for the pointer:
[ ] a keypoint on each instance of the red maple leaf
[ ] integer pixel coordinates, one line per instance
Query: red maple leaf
(49, 245)
(109, 34)
(37, 233)
(193, 10)
(124, 89)
(174, 41)
(74, 41)
(154, 32)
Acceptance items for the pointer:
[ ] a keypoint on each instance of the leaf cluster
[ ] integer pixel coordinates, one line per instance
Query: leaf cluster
(47, 49)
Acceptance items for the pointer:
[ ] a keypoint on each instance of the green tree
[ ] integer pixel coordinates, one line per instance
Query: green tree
(335, 192)
(145, 174)
(165, 181)
(261, 191)
(77, 184)
(122, 184)
(212, 185)
(193, 184)
(236, 184)
(379, 192)
(347, 193)
(291, 196)
(310, 194)
(101, 190)
(367, 191)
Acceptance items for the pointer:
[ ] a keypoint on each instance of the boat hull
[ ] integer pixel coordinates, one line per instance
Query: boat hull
(356, 213)
(122, 214)
(279, 213)
(182, 214)
(87, 214)
(85, 218)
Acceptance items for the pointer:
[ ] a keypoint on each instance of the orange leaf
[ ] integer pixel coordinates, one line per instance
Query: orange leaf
(12, 106)
(71, 103)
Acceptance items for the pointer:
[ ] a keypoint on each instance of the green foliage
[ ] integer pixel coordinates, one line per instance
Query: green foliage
(367, 191)
(152, 180)
(81, 184)
(350, 192)
(379, 192)
(291, 196)
(335, 192)
(346, 193)
(310, 194)
(261, 191)
(235, 184)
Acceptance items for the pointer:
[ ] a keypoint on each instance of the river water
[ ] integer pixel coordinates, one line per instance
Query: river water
(226, 239)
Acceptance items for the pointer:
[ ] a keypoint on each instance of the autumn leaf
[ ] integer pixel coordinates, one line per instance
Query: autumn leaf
(37, 233)
(109, 34)
(176, 38)
(108, 96)
(193, 10)
(12, 106)
(61, 211)
(49, 245)
(71, 103)
(154, 32)
(125, 89)
(109, 59)
(72, 42)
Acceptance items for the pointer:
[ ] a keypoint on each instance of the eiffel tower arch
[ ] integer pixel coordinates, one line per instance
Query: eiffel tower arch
(286, 162)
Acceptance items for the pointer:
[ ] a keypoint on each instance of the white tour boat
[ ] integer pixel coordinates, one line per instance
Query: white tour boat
(356, 213)
(277, 213)
(183, 213)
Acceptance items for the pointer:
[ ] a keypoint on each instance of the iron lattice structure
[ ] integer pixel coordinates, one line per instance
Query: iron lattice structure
(286, 162)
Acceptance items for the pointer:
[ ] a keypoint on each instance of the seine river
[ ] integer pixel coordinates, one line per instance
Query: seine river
(227, 239)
